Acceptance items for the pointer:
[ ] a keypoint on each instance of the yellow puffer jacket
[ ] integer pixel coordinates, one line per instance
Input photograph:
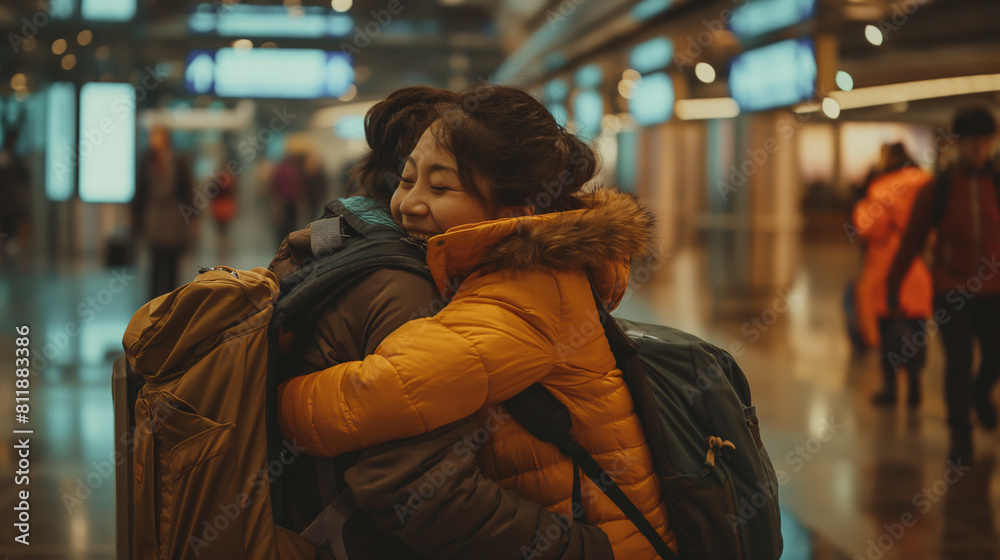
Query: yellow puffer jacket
(521, 311)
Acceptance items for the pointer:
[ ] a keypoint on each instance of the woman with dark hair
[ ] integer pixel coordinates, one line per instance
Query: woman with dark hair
(468, 515)
(495, 188)
(880, 219)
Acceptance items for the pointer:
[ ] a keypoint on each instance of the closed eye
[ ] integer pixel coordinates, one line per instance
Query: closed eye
(405, 180)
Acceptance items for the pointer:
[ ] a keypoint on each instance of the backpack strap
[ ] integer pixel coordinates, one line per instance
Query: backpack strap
(547, 419)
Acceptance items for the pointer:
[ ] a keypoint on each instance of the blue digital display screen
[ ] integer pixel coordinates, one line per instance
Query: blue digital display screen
(60, 141)
(588, 110)
(245, 20)
(652, 55)
(759, 17)
(272, 73)
(108, 10)
(107, 142)
(652, 101)
(777, 75)
(589, 76)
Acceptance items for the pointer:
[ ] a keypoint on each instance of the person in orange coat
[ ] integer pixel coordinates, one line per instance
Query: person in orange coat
(880, 219)
(494, 186)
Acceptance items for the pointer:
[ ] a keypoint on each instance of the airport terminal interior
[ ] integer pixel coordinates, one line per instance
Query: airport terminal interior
(750, 129)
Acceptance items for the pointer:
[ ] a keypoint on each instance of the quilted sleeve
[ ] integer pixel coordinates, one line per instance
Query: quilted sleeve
(495, 338)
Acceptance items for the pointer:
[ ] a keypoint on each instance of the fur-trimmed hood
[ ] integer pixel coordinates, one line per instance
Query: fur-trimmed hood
(602, 239)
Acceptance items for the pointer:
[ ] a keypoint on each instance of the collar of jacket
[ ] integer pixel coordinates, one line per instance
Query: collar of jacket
(601, 239)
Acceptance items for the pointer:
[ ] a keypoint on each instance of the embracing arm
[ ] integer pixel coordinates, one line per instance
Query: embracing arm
(494, 339)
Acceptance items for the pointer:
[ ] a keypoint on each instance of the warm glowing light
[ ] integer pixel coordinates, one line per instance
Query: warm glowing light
(626, 88)
(910, 91)
(712, 108)
(18, 81)
(704, 72)
(84, 37)
(831, 108)
(874, 35)
(341, 5)
(68, 62)
(632, 74)
(241, 44)
(844, 81)
(59, 46)
(350, 94)
(103, 52)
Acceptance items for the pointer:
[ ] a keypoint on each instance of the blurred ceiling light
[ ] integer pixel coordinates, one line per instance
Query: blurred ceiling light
(68, 62)
(844, 80)
(103, 52)
(632, 74)
(831, 108)
(341, 5)
(18, 81)
(29, 44)
(84, 37)
(874, 35)
(350, 94)
(711, 108)
(626, 88)
(269, 45)
(704, 72)
(910, 91)
(242, 44)
(59, 46)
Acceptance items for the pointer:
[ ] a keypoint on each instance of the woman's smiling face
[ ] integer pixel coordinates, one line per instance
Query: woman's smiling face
(430, 198)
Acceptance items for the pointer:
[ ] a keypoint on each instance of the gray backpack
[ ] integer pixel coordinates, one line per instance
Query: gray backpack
(694, 404)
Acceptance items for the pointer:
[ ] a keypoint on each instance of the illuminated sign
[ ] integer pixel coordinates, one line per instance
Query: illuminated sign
(556, 90)
(759, 17)
(777, 75)
(649, 8)
(589, 76)
(245, 20)
(588, 110)
(107, 142)
(653, 99)
(60, 136)
(108, 10)
(276, 73)
(651, 55)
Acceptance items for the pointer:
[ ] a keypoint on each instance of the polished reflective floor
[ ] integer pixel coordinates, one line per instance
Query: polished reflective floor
(856, 482)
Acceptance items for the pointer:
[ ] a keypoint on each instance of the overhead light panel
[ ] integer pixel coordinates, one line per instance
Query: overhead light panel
(711, 108)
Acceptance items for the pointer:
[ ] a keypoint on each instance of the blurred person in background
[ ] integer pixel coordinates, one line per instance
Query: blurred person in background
(165, 187)
(315, 183)
(223, 205)
(862, 318)
(962, 205)
(288, 185)
(880, 219)
(15, 185)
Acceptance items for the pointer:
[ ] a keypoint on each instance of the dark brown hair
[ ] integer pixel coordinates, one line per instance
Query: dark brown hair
(392, 127)
(511, 151)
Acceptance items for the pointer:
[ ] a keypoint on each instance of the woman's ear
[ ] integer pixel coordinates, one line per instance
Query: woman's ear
(515, 211)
